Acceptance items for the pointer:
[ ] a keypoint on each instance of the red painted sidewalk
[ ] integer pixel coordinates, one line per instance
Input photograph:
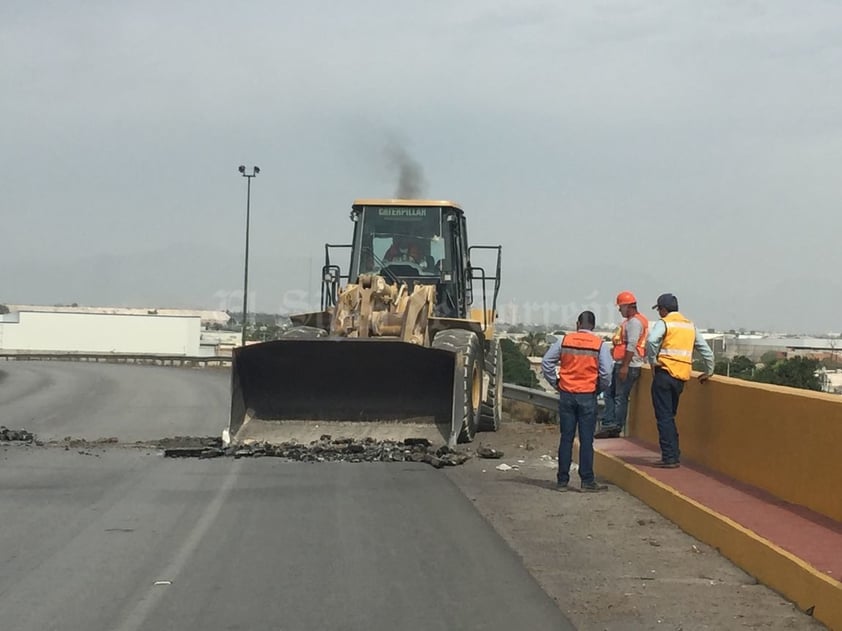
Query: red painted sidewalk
(811, 537)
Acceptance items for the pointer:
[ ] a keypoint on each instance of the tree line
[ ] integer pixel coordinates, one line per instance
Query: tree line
(796, 372)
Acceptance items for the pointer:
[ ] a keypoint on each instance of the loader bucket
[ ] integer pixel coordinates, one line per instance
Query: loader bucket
(385, 389)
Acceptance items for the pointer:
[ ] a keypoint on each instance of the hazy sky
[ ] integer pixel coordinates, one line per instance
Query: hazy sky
(683, 146)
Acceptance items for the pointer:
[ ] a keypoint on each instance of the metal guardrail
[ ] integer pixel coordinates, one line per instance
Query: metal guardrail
(538, 398)
(111, 358)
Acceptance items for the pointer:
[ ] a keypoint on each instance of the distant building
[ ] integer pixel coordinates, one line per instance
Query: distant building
(717, 342)
(206, 316)
(831, 381)
(754, 347)
(63, 332)
(220, 343)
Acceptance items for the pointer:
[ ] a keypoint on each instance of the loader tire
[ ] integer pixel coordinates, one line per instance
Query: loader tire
(492, 408)
(303, 333)
(467, 343)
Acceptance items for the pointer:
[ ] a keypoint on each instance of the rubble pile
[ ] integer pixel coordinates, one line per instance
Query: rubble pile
(489, 453)
(15, 435)
(196, 442)
(328, 449)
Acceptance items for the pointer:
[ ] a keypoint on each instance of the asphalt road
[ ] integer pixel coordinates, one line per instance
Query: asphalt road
(60, 399)
(232, 544)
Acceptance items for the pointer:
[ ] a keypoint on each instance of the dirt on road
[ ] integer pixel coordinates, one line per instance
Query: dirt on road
(607, 559)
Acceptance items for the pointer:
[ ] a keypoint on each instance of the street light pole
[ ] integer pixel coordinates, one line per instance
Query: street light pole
(254, 171)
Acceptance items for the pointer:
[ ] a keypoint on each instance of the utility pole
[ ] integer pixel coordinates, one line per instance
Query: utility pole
(254, 172)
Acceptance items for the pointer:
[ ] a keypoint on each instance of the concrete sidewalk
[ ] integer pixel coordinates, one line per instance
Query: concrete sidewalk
(793, 550)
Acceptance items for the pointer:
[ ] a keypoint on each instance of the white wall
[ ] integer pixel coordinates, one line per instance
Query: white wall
(100, 333)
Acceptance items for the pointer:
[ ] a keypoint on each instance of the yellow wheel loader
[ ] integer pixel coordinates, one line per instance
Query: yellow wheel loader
(400, 349)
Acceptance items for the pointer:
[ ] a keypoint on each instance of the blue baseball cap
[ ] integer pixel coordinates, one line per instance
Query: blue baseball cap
(667, 301)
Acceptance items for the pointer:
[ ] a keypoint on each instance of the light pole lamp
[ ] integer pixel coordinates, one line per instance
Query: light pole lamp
(248, 176)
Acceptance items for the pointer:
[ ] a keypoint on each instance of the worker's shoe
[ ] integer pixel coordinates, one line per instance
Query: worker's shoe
(608, 432)
(593, 487)
(666, 464)
(562, 487)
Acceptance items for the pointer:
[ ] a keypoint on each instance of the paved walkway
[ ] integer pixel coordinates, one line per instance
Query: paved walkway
(811, 537)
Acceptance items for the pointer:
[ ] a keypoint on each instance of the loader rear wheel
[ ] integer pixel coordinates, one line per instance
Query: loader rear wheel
(492, 407)
(467, 343)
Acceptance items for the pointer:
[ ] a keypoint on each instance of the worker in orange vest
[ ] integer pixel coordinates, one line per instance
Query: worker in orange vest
(578, 365)
(629, 354)
(669, 347)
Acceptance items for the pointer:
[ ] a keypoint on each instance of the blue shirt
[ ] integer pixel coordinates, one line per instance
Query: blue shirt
(656, 337)
(549, 364)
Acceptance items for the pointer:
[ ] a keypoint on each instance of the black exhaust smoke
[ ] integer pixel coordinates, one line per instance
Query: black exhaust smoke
(411, 181)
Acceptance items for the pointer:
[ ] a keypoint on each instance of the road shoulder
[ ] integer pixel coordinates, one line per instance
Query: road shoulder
(607, 559)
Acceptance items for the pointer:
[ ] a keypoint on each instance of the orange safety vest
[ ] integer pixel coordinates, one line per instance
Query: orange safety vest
(578, 364)
(412, 251)
(621, 342)
(676, 352)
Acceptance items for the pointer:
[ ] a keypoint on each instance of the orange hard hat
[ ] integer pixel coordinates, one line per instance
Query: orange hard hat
(626, 298)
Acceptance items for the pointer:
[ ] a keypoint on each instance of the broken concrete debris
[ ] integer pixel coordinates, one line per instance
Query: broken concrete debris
(15, 435)
(505, 467)
(489, 453)
(328, 449)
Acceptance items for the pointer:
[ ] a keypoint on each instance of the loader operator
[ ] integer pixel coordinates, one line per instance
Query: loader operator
(578, 365)
(404, 249)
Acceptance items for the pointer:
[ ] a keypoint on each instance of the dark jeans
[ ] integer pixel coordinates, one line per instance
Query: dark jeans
(617, 399)
(576, 411)
(666, 390)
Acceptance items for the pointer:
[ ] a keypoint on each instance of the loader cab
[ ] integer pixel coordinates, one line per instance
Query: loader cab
(414, 241)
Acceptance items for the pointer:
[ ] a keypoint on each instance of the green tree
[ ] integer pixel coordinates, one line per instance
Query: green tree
(534, 344)
(516, 365)
(832, 362)
(740, 367)
(770, 357)
(796, 372)
(699, 364)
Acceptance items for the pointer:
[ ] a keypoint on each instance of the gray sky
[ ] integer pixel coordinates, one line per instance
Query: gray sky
(691, 147)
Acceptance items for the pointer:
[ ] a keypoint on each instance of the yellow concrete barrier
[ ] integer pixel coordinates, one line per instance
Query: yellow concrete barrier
(783, 440)
(812, 591)
(779, 439)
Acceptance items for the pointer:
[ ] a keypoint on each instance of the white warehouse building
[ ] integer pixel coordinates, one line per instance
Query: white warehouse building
(63, 332)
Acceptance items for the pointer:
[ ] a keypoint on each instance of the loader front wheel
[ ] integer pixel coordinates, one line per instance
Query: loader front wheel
(467, 343)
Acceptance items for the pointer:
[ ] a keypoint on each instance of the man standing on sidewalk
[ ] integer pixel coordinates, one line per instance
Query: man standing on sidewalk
(629, 352)
(669, 348)
(578, 365)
